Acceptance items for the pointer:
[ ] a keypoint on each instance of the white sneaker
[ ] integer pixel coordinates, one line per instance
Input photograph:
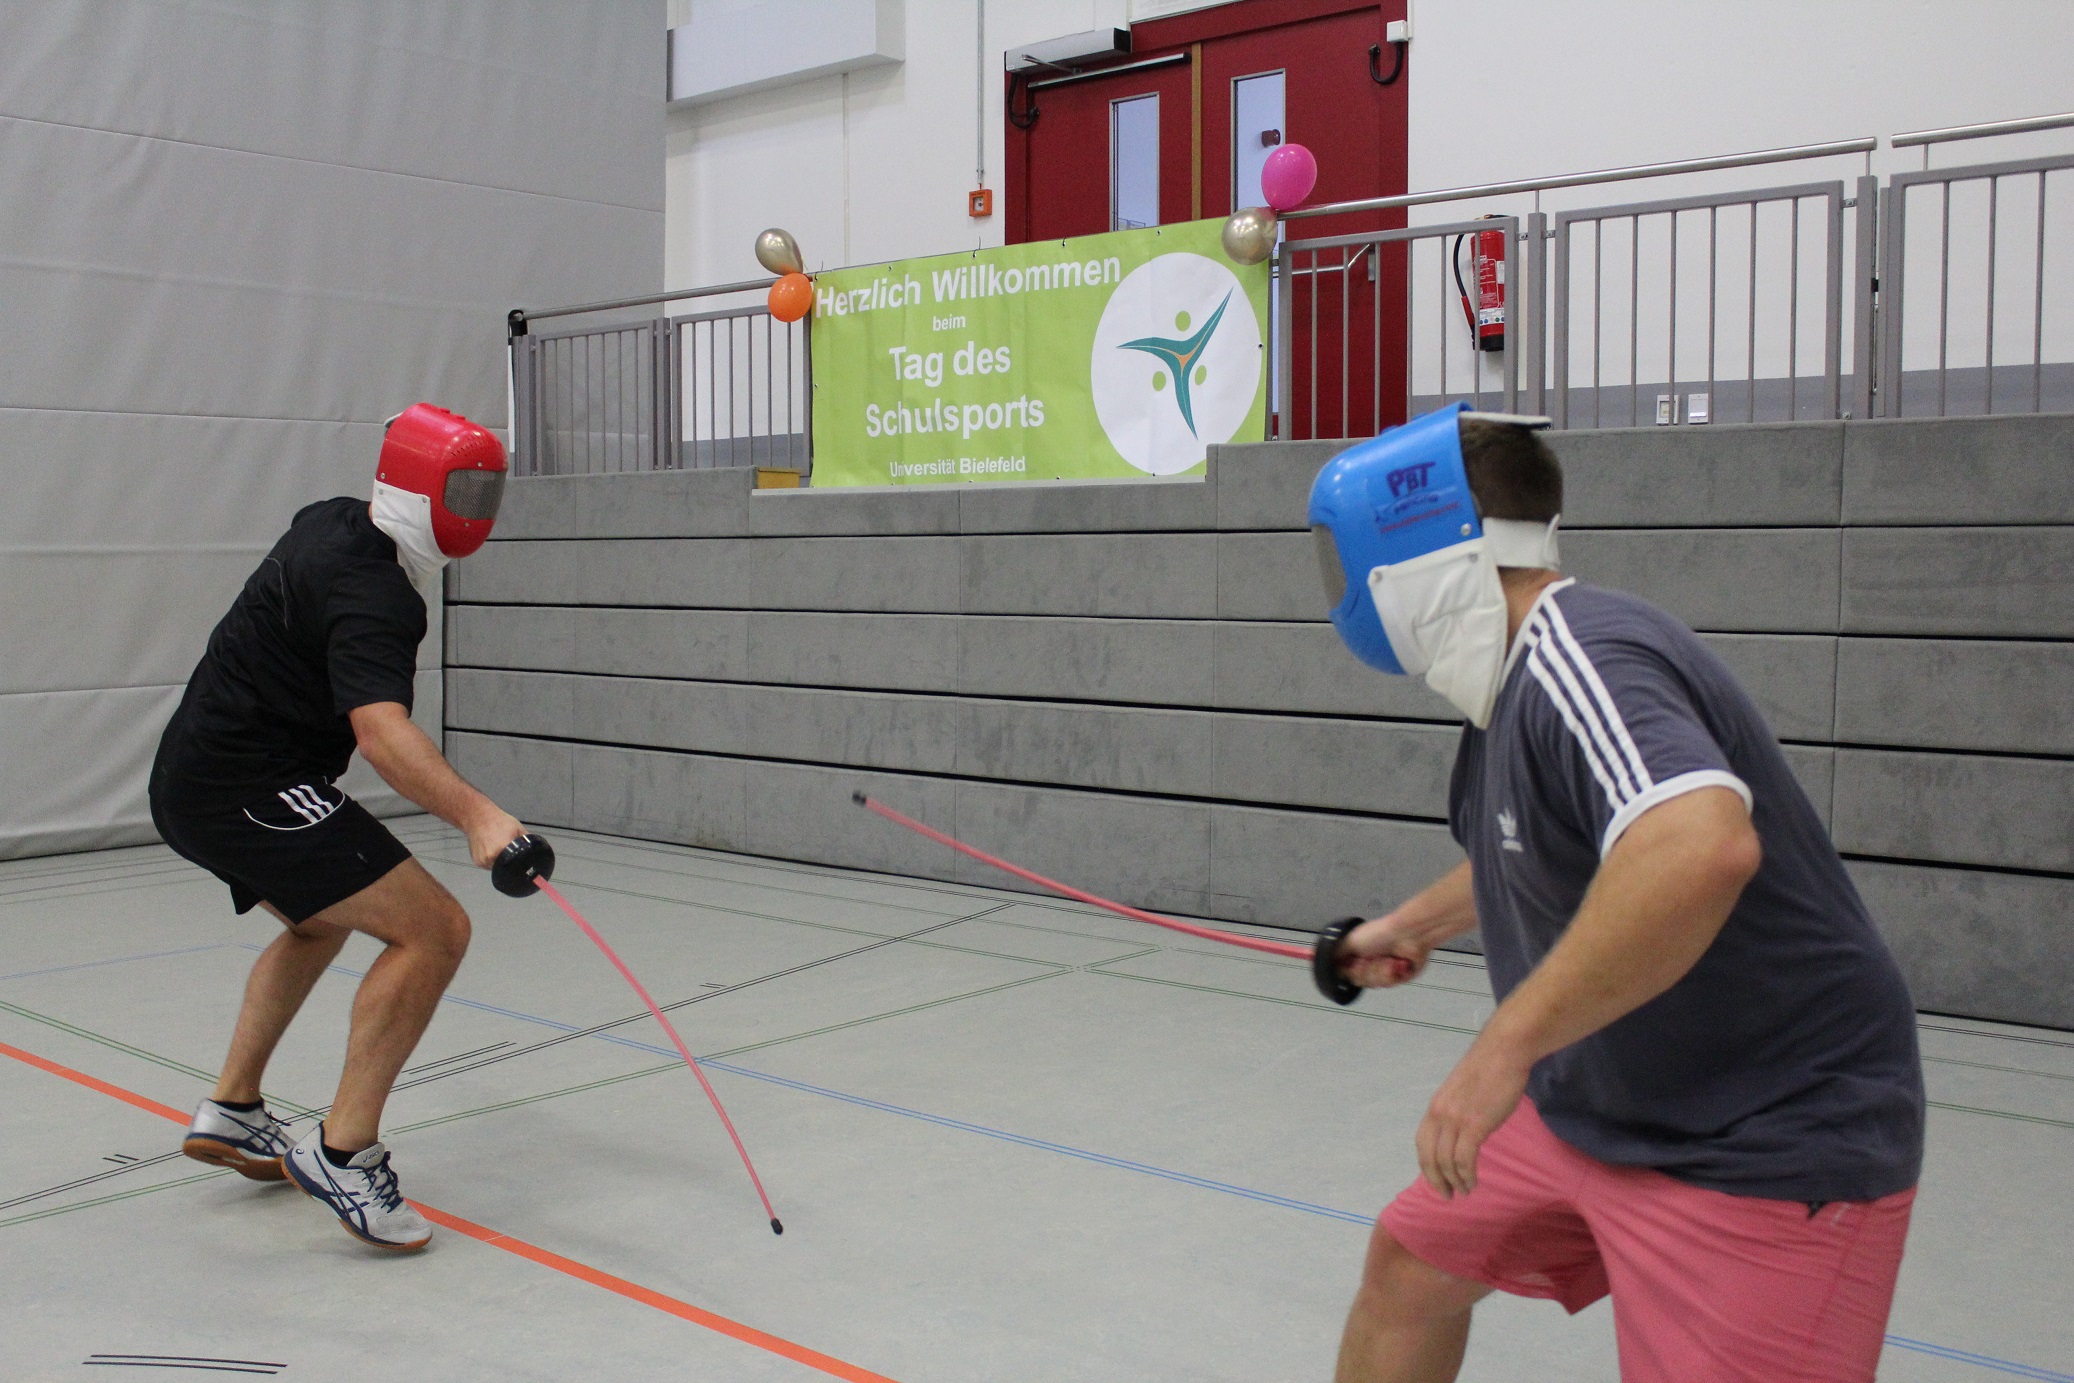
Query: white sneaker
(363, 1194)
(250, 1144)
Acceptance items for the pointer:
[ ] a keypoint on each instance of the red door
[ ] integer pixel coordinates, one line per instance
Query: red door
(1071, 159)
(1348, 316)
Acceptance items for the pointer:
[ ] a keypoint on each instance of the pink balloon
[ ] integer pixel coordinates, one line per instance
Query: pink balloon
(1288, 176)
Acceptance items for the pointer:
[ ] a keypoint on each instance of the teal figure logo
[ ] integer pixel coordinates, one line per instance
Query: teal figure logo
(1180, 357)
(1203, 382)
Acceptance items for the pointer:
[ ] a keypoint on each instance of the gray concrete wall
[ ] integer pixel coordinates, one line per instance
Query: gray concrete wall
(1133, 687)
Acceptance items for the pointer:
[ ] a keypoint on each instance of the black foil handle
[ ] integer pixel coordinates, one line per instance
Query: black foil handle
(528, 858)
(1325, 963)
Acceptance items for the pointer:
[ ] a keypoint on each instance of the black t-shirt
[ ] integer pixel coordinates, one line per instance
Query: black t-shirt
(329, 622)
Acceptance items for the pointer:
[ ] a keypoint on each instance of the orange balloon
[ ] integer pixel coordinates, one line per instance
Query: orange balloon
(792, 297)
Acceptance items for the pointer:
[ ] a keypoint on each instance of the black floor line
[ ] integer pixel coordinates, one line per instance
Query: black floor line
(1996, 1036)
(188, 1359)
(178, 1361)
(93, 861)
(560, 1038)
(554, 1041)
(458, 1056)
(89, 1180)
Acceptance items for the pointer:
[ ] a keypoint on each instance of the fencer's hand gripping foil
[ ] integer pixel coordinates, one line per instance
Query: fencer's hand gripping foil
(1322, 955)
(524, 868)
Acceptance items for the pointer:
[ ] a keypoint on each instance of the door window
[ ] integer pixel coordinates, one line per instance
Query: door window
(1256, 128)
(1134, 162)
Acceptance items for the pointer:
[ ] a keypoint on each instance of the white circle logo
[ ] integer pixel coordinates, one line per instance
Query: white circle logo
(1176, 363)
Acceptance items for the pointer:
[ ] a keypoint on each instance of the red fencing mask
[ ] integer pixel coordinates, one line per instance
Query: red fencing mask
(437, 488)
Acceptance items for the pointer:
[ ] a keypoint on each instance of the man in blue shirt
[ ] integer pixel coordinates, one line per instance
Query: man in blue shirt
(1700, 1090)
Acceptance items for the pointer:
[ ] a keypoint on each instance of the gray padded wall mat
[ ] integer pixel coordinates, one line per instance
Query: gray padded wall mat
(238, 236)
(1132, 687)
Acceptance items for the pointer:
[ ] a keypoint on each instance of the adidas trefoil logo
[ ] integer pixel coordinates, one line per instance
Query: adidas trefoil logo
(1509, 824)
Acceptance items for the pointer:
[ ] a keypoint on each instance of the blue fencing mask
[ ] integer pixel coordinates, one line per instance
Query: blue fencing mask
(1411, 568)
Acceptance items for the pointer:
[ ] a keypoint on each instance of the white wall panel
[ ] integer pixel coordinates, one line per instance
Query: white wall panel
(875, 165)
(1514, 89)
(753, 45)
(1504, 89)
(866, 166)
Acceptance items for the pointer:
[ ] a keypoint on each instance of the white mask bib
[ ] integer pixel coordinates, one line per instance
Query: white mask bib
(406, 517)
(1444, 612)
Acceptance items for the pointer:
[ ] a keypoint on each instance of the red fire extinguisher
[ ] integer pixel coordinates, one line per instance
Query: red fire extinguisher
(1486, 315)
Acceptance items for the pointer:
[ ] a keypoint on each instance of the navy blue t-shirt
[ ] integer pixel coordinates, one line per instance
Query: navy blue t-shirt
(1784, 1064)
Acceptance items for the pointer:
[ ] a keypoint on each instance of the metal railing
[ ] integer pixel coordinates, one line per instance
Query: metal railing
(1772, 303)
(1783, 302)
(1334, 287)
(1991, 129)
(727, 386)
(1790, 306)
(592, 400)
(1903, 340)
(1551, 348)
(1604, 175)
(743, 391)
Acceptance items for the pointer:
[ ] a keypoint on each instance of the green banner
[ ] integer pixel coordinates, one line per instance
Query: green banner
(1107, 357)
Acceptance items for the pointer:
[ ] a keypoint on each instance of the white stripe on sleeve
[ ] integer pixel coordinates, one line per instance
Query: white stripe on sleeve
(1664, 792)
(1577, 655)
(1586, 711)
(1561, 700)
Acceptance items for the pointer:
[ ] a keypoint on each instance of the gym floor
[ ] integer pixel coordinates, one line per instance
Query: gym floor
(1010, 1139)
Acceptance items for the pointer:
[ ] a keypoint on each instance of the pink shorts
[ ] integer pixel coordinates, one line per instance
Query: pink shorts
(1707, 1287)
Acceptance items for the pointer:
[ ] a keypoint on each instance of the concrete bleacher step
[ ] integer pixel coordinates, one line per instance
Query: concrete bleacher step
(1133, 685)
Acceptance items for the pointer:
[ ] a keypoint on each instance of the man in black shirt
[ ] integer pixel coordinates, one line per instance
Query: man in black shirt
(316, 658)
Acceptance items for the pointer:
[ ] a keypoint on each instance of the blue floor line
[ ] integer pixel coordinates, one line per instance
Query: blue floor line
(479, 1005)
(613, 1038)
(1957, 1356)
(1185, 1178)
(114, 960)
(1985, 1361)
(942, 1121)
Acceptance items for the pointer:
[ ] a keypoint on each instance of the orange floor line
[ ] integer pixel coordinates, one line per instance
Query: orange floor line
(533, 1253)
(41, 1063)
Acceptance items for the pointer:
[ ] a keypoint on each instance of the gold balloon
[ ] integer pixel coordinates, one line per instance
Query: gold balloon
(1249, 236)
(778, 252)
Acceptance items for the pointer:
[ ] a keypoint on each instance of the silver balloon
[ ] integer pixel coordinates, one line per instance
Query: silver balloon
(778, 252)
(1249, 236)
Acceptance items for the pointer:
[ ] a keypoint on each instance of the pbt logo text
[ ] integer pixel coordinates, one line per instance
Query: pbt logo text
(1408, 479)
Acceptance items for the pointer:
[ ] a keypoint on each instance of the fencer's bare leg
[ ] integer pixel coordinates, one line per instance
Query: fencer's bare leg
(424, 934)
(1409, 1322)
(281, 979)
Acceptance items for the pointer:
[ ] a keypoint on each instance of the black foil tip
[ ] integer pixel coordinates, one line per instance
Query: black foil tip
(858, 798)
(776, 1226)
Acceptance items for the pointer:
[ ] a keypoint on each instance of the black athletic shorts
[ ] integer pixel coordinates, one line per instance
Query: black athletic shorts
(301, 848)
